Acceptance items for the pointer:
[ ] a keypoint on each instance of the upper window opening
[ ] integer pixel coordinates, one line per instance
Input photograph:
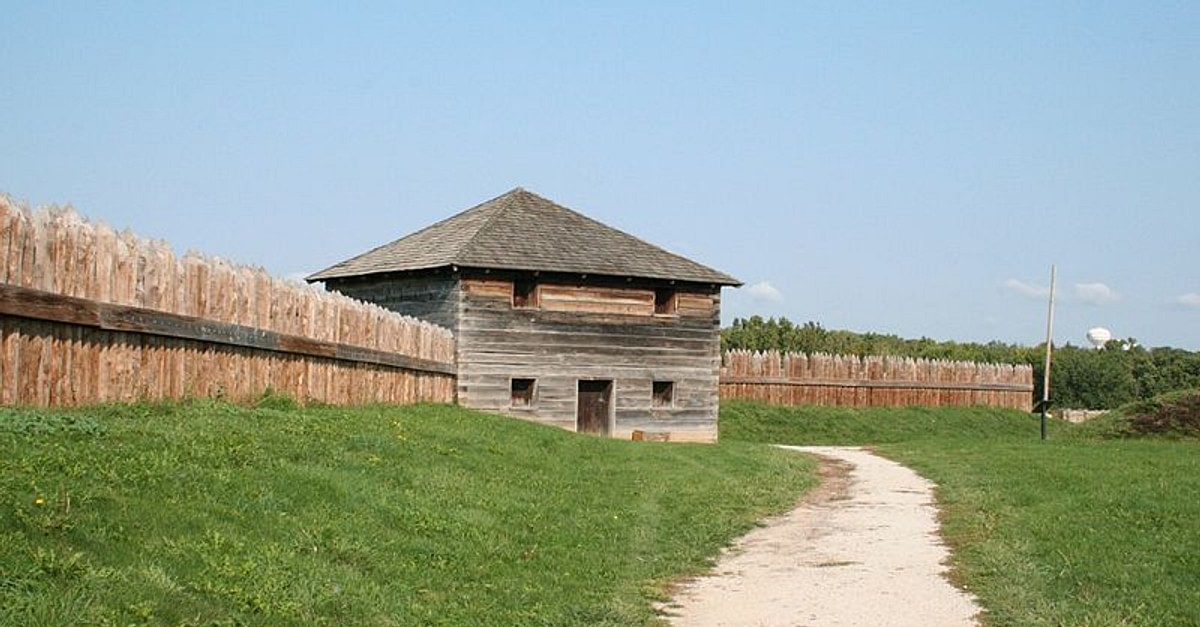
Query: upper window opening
(524, 293)
(522, 392)
(664, 393)
(664, 301)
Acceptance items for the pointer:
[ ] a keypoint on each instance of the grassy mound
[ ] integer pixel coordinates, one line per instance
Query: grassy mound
(1172, 415)
(757, 422)
(212, 514)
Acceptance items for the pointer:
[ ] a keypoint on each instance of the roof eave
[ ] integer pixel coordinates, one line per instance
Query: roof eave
(328, 273)
(722, 280)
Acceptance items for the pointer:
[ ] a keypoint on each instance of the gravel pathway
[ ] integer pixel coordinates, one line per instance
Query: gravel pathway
(863, 549)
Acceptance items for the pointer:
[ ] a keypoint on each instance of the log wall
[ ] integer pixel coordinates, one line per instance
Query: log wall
(800, 379)
(89, 315)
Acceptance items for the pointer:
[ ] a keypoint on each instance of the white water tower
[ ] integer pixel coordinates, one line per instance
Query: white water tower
(1099, 336)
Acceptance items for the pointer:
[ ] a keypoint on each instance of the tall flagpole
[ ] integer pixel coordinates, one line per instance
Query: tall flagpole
(1049, 350)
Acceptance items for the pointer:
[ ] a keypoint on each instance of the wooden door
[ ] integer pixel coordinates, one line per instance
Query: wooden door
(595, 400)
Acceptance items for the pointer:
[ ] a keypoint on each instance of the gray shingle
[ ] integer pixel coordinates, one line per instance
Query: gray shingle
(523, 231)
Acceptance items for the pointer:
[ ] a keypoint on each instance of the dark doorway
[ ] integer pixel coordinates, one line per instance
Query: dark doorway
(595, 397)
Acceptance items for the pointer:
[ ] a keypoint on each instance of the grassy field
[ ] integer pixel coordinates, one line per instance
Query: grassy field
(757, 422)
(1077, 530)
(212, 514)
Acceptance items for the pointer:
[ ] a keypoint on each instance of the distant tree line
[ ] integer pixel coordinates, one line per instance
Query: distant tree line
(1080, 377)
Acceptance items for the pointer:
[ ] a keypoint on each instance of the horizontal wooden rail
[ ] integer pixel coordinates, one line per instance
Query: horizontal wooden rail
(878, 383)
(38, 305)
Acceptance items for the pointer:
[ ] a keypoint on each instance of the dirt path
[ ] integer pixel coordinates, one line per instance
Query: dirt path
(862, 550)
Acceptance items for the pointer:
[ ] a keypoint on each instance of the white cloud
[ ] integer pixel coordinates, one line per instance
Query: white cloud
(1191, 299)
(1026, 289)
(763, 291)
(1097, 294)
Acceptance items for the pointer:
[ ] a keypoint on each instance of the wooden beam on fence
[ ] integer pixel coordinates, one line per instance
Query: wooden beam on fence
(39, 305)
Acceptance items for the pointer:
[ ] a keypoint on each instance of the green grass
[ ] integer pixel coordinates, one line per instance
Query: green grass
(1077, 530)
(211, 514)
(757, 422)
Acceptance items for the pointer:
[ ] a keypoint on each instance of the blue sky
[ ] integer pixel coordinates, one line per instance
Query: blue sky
(909, 168)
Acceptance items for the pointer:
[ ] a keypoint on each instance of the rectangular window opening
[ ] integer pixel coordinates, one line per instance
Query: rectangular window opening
(664, 393)
(524, 294)
(522, 392)
(664, 301)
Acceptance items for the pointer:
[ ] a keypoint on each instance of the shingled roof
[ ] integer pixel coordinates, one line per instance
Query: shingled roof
(520, 230)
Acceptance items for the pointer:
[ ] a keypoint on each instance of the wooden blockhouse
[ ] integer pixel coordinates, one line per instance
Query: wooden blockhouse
(558, 318)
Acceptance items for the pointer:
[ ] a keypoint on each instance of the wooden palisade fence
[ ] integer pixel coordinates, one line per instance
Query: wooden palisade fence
(820, 379)
(90, 315)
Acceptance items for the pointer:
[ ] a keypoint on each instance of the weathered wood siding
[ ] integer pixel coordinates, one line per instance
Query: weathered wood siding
(596, 300)
(592, 332)
(429, 297)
